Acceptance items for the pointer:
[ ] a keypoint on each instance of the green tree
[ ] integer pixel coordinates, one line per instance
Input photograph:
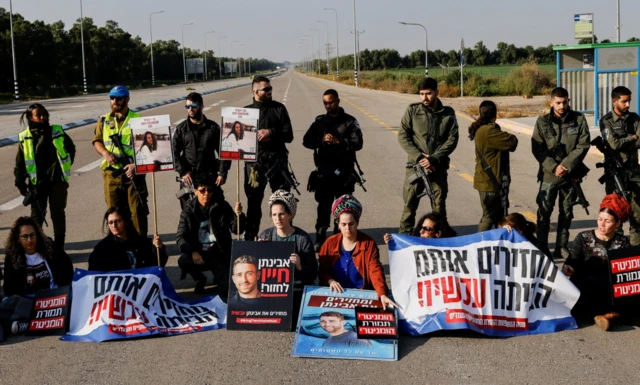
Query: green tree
(631, 40)
(588, 40)
(480, 54)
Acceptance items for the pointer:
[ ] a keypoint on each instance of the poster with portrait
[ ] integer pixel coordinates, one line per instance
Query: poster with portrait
(49, 312)
(624, 268)
(239, 134)
(327, 326)
(261, 286)
(152, 143)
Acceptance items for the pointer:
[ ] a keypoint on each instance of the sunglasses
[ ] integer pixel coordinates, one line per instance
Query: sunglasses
(205, 190)
(27, 236)
(266, 89)
(193, 105)
(426, 229)
(117, 98)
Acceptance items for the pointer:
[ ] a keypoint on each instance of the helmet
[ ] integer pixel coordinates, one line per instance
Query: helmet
(119, 91)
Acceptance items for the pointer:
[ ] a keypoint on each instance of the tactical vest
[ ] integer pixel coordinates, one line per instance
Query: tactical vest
(110, 128)
(28, 147)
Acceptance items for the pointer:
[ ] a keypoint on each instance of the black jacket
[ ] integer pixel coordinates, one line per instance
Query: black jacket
(15, 278)
(190, 139)
(275, 118)
(222, 221)
(304, 248)
(334, 156)
(110, 254)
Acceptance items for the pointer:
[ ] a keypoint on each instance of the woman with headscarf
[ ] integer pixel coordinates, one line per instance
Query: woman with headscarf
(588, 265)
(350, 259)
(282, 206)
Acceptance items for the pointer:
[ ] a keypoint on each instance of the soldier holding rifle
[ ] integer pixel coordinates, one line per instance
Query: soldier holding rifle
(429, 134)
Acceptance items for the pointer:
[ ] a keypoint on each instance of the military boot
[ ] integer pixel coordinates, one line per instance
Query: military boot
(321, 236)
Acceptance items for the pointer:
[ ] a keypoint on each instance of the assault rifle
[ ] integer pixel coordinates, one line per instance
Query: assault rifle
(115, 139)
(613, 167)
(419, 173)
(32, 197)
(574, 178)
(286, 171)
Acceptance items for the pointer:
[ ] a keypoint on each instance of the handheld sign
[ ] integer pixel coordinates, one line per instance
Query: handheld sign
(624, 266)
(152, 143)
(261, 286)
(376, 324)
(239, 134)
(49, 313)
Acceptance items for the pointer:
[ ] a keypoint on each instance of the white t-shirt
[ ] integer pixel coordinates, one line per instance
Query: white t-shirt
(39, 273)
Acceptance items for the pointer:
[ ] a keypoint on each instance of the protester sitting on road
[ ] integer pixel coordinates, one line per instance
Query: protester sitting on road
(123, 248)
(204, 234)
(522, 225)
(350, 259)
(588, 265)
(282, 206)
(431, 225)
(32, 263)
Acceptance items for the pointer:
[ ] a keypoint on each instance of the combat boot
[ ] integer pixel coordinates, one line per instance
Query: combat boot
(321, 236)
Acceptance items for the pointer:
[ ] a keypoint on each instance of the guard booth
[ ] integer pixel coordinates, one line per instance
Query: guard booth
(591, 71)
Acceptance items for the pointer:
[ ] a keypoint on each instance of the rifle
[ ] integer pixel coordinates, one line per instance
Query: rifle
(502, 185)
(32, 197)
(115, 139)
(613, 167)
(419, 173)
(504, 193)
(286, 172)
(574, 179)
(359, 175)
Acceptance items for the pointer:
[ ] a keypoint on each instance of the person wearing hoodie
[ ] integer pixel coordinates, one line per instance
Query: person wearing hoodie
(205, 233)
(334, 138)
(492, 147)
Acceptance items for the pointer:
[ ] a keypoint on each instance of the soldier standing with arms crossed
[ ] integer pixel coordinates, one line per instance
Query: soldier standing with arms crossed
(560, 142)
(429, 134)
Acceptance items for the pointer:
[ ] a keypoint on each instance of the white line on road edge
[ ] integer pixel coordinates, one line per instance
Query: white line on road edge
(89, 167)
(12, 204)
(286, 92)
(206, 109)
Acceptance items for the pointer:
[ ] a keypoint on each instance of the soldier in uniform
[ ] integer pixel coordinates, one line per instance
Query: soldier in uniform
(560, 141)
(429, 134)
(621, 129)
(334, 138)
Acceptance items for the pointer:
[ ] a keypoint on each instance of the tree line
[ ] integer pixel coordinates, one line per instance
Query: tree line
(49, 56)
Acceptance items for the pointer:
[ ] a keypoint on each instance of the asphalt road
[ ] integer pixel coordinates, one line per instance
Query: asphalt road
(586, 355)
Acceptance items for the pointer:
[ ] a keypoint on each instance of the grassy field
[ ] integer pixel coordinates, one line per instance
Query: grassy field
(498, 71)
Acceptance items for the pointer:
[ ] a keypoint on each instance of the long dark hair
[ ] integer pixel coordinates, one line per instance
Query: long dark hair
(520, 223)
(154, 146)
(440, 224)
(233, 131)
(126, 217)
(488, 112)
(13, 248)
(28, 113)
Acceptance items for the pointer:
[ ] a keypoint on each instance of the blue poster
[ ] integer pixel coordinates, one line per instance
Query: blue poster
(327, 327)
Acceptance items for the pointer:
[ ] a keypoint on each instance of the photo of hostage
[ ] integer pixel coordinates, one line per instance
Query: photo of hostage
(333, 323)
(153, 148)
(239, 137)
(245, 276)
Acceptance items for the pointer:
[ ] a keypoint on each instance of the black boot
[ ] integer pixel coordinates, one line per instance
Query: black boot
(58, 243)
(321, 236)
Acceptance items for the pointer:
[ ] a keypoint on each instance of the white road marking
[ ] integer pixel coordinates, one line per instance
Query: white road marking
(89, 167)
(12, 204)
(206, 109)
(286, 92)
(222, 101)
(78, 106)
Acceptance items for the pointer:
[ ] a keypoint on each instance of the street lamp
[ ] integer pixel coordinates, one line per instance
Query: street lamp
(220, 55)
(84, 71)
(426, 47)
(327, 50)
(244, 59)
(313, 56)
(355, 46)
(13, 54)
(153, 76)
(337, 49)
(231, 47)
(205, 53)
(318, 46)
(184, 60)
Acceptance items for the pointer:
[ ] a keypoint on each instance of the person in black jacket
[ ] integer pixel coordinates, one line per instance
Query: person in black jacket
(123, 248)
(204, 234)
(31, 262)
(334, 138)
(274, 131)
(196, 143)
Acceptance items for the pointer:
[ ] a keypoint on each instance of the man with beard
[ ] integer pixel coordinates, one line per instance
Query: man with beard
(274, 131)
(44, 159)
(122, 187)
(621, 128)
(196, 143)
(335, 137)
(245, 276)
(333, 323)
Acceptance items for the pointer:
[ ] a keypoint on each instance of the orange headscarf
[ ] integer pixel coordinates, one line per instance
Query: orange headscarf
(618, 205)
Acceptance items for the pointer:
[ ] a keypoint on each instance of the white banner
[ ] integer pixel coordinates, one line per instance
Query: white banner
(496, 283)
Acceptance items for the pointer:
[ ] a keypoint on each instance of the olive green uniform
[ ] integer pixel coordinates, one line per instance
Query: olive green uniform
(119, 191)
(558, 141)
(619, 131)
(494, 145)
(433, 132)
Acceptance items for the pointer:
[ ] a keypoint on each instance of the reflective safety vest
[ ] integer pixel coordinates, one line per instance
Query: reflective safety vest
(29, 149)
(109, 128)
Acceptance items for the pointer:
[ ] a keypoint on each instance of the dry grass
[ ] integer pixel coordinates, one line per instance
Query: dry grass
(505, 112)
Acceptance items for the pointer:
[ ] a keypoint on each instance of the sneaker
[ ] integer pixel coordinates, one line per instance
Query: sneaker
(199, 289)
(19, 327)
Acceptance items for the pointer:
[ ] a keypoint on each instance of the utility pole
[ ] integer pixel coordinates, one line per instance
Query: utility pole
(337, 44)
(84, 71)
(327, 50)
(220, 55)
(205, 53)
(355, 46)
(13, 54)
(358, 33)
(618, 25)
(462, 68)
(153, 75)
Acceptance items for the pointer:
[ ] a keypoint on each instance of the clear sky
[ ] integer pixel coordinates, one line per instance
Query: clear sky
(273, 29)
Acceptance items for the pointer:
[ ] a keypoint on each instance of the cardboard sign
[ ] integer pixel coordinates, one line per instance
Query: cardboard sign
(261, 286)
(49, 313)
(376, 324)
(152, 143)
(239, 134)
(327, 326)
(624, 267)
